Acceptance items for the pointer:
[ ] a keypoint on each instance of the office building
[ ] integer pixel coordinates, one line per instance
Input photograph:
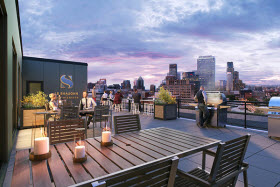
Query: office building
(181, 89)
(140, 83)
(126, 85)
(230, 72)
(206, 71)
(222, 85)
(193, 79)
(173, 70)
(152, 88)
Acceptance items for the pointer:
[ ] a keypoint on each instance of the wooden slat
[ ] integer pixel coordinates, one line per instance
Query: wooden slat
(169, 139)
(121, 162)
(126, 123)
(192, 141)
(124, 154)
(91, 165)
(21, 174)
(147, 145)
(184, 134)
(41, 177)
(59, 173)
(139, 147)
(133, 151)
(77, 171)
(157, 142)
(103, 161)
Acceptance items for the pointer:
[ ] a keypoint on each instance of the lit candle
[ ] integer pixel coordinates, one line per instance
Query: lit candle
(80, 151)
(41, 146)
(106, 136)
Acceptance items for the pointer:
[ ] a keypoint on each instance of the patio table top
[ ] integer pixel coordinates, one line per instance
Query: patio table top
(129, 149)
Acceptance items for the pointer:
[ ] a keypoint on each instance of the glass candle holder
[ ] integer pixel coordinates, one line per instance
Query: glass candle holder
(79, 148)
(106, 138)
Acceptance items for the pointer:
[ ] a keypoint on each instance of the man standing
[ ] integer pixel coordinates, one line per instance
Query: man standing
(201, 97)
(87, 103)
(137, 97)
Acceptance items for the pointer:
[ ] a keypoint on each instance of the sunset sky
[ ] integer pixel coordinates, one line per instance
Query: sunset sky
(125, 39)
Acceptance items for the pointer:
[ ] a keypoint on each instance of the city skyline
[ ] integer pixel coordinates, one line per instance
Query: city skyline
(125, 40)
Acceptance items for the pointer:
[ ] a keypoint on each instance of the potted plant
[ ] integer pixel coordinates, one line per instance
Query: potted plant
(165, 106)
(30, 105)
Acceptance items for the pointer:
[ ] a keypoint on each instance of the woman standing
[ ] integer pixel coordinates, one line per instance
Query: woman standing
(94, 94)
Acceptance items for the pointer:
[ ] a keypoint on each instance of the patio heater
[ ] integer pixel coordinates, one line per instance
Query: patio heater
(274, 117)
(217, 107)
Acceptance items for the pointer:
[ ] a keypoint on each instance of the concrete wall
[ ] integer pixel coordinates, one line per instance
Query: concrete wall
(50, 71)
(13, 39)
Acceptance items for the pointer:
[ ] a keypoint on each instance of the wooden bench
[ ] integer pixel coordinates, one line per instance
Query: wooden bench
(127, 123)
(227, 165)
(64, 130)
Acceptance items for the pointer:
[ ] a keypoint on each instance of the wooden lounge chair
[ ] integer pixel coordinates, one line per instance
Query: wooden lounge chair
(127, 123)
(154, 174)
(64, 130)
(227, 165)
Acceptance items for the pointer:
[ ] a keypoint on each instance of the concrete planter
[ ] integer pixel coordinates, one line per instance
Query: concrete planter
(28, 117)
(166, 112)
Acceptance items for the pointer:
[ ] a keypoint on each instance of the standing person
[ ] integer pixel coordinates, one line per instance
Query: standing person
(118, 97)
(94, 94)
(137, 97)
(204, 115)
(87, 103)
(104, 98)
(111, 97)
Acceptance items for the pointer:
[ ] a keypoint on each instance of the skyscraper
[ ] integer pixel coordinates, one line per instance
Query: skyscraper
(206, 71)
(140, 83)
(152, 88)
(230, 70)
(126, 84)
(173, 70)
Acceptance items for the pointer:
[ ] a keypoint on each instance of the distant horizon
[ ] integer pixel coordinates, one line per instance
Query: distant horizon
(127, 39)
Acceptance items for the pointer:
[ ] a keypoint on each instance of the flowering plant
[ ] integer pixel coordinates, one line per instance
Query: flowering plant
(165, 97)
(34, 100)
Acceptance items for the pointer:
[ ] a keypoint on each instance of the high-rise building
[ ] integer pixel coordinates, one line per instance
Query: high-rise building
(181, 89)
(173, 70)
(140, 83)
(152, 88)
(126, 85)
(222, 85)
(193, 78)
(206, 71)
(179, 75)
(230, 73)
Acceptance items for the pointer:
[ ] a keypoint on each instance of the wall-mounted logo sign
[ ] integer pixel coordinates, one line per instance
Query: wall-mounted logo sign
(66, 81)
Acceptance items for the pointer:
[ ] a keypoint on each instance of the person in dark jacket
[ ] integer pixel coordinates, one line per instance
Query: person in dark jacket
(118, 97)
(204, 115)
(137, 97)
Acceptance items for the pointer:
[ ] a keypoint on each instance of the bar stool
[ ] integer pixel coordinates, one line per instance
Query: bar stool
(151, 109)
(146, 106)
(117, 107)
(135, 108)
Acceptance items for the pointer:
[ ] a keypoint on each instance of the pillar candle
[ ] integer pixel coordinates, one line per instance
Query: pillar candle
(106, 136)
(80, 151)
(41, 145)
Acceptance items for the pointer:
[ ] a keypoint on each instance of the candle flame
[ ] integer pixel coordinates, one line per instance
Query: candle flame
(106, 128)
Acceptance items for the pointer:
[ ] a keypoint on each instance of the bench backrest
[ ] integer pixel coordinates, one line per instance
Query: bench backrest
(160, 173)
(127, 123)
(229, 158)
(64, 130)
(69, 112)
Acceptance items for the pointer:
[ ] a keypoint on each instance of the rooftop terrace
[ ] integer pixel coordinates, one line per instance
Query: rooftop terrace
(263, 153)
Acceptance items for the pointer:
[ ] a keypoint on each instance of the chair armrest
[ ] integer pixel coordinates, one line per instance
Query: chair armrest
(244, 167)
(192, 178)
(204, 153)
(209, 152)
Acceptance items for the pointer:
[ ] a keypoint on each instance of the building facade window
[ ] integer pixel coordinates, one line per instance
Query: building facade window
(33, 87)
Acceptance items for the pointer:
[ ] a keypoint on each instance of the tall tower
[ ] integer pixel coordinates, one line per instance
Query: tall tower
(206, 71)
(173, 70)
(230, 71)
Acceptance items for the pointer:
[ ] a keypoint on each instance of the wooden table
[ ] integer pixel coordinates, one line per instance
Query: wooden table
(129, 149)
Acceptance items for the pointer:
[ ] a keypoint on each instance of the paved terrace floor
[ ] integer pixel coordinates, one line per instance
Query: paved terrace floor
(263, 153)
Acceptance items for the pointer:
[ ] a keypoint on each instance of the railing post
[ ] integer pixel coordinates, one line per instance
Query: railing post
(245, 119)
(129, 105)
(178, 108)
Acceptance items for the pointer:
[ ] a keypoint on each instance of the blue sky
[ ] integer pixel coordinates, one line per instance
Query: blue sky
(125, 39)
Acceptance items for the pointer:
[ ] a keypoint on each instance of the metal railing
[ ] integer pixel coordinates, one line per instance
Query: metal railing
(252, 117)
